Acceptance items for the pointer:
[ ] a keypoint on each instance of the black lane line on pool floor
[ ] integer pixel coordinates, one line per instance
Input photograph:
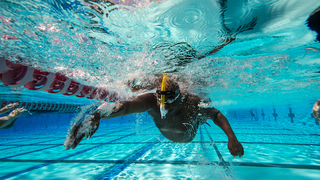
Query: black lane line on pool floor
(32, 138)
(115, 170)
(159, 162)
(44, 148)
(221, 160)
(280, 134)
(243, 128)
(193, 142)
(19, 139)
(32, 144)
(63, 158)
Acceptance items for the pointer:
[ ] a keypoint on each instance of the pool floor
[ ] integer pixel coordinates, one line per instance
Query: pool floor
(140, 152)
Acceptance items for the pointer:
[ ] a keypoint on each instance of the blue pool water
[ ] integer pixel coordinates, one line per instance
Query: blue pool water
(128, 148)
(271, 69)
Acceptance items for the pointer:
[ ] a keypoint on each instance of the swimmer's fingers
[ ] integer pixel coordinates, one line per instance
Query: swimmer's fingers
(73, 138)
(77, 141)
(240, 153)
(93, 128)
(235, 148)
(85, 129)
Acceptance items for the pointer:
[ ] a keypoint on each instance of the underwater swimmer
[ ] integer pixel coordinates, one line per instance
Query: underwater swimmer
(8, 121)
(178, 121)
(316, 110)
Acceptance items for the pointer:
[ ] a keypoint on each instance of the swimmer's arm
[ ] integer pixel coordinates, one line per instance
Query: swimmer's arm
(223, 123)
(4, 121)
(229, 40)
(220, 120)
(8, 121)
(139, 104)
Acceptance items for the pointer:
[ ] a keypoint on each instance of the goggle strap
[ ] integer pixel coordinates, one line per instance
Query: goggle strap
(168, 92)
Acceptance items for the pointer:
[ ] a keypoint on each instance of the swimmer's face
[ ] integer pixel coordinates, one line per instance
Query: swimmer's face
(171, 100)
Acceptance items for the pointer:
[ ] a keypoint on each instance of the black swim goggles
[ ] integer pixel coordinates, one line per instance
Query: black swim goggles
(171, 94)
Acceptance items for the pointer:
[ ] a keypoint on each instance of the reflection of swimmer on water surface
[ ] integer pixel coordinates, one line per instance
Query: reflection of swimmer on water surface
(7, 122)
(181, 53)
(314, 22)
(177, 115)
(316, 110)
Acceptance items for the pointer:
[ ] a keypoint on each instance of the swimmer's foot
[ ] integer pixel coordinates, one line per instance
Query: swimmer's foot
(85, 129)
(17, 112)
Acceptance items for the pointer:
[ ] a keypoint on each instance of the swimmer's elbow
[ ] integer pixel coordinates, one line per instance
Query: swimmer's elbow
(219, 116)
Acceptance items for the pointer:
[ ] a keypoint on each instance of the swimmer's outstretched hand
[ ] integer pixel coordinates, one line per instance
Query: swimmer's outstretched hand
(235, 147)
(316, 110)
(84, 129)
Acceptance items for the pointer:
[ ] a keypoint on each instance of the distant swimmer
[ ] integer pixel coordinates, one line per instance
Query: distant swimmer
(316, 110)
(253, 116)
(176, 114)
(7, 122)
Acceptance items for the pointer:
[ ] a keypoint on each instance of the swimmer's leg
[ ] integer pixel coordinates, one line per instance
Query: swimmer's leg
(10, 125)
(8, 107)
(8, 121)
(86, 128)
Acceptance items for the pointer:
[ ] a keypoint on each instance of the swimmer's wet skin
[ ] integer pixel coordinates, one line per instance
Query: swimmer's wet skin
(179, 125)
(7, 122)
(316, 110)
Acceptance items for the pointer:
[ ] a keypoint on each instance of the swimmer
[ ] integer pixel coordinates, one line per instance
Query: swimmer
(7, 122)
(253, 116)
(176, 114)
(316, 110)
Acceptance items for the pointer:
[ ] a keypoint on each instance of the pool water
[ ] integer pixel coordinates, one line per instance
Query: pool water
(270, 70)
(129, 149)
